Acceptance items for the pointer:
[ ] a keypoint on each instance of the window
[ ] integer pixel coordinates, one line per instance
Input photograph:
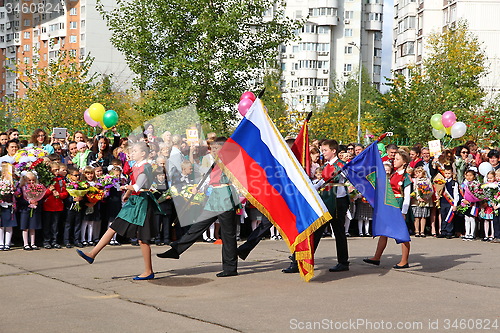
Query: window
(16, 24)
(27, 23)
(72, 38)
(348, 49)
(82, 37)
(73, 25)
(375, 16)
(377, 35)
(347, 67)
(73, 11)
(309, 29)
(283, 66)
(323, 30)
(377, 69)
(322, 11)
(26, 47)
(27, 35)
(26, 60)
(82, 24)
(72, 53)
(295, 49)
(377, 52)
(348, 32)
(348, 14)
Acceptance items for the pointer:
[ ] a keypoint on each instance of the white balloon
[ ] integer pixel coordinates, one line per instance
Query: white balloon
(438, 134)
(458, 130)
(484, 168)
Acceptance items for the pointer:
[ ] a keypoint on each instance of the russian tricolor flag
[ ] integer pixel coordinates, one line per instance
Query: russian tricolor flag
(262, 166)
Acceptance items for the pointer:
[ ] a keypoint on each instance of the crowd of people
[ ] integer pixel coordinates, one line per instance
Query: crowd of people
(437, 189)
(432, 190)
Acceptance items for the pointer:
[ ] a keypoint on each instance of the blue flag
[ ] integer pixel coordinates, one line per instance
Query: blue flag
(367, 174)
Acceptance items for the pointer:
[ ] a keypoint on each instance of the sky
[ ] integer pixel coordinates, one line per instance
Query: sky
(387, 41)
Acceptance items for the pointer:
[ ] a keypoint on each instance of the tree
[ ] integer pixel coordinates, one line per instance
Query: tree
(448, 81)
(57, 95)
(339, 117)
(201, 52)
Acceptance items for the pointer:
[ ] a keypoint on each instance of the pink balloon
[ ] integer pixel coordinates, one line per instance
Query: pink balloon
(244, 106)
(250, 95)
(448, 119)
(88, 120)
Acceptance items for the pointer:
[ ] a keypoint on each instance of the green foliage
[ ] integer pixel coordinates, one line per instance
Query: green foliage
(200, 52)
(338, 119)
(57, 95)
(449, 81)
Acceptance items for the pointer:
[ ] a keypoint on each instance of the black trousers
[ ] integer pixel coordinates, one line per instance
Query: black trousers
(227, 221)
(337, 222)
(50, 227)
(72, 227)
(496, 226)
(255, 236)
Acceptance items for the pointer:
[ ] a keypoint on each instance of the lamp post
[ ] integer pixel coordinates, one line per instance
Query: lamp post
(360, 79)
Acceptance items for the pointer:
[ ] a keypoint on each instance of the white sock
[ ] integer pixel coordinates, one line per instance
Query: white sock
(8, 235)
(25, 237)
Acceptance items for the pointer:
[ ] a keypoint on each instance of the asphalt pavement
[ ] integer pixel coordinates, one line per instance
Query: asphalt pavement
(451, 286)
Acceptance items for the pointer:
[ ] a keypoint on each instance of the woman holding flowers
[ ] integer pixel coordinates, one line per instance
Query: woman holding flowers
(40, 139)
(421, 199)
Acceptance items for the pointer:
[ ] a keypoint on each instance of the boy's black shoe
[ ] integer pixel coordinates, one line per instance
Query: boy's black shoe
(170, 253)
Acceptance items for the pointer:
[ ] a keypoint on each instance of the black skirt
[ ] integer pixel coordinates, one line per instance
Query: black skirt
(144, 233)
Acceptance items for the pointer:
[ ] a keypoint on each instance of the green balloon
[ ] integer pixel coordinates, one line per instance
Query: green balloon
(436, 122)
(110, 118)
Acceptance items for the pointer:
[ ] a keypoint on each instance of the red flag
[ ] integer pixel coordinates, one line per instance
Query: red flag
(300, 147)
(304, 252)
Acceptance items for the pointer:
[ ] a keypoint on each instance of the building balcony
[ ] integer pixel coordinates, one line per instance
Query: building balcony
(325, 20)
(324, 3)
(374, 8)
(373, 25)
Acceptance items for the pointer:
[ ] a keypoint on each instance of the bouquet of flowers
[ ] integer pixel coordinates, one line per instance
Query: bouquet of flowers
(186, 192)
(77, 189)
(439, 181)
(33, 192)
(490, 190)
(95, 195)
(29, 161)
(473, 192)
(423, 190)
(29, 154)
(6, 191)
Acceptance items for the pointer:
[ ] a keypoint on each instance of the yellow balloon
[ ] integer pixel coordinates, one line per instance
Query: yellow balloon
(448, 130)
(96, 112)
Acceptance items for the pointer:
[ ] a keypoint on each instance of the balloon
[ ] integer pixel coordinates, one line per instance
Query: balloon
(249, 95)
(110, 118)
(484, 168)
(438, 134)
(458, 130)
(448, 119)
(436, 122)
(448, 130)
(244, 105)
(96, 111)
(88, 120)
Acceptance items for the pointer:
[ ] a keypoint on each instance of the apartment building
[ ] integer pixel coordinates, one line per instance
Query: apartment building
(415, 20)
(35, 32)
(328, 48)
